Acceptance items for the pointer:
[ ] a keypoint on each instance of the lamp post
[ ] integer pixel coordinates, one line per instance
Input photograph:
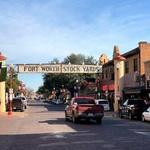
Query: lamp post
(76, 88)
(2, 83)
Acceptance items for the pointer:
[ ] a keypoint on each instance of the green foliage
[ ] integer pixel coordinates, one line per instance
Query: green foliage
(12, 81)
(68, 80)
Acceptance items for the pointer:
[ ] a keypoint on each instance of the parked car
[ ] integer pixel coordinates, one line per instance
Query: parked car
(132, 108)
(103, 102)
(57, 101)
(24, 100)
(146, 115)
(18, 104)
(84, 108)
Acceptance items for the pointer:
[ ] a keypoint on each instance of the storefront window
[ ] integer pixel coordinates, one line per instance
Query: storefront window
(135, 64)
(126, 67)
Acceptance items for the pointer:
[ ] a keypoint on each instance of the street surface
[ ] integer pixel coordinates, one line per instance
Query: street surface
(43, 127)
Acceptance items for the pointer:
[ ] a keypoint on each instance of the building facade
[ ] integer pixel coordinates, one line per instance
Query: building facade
(136, 74)
(134, 77)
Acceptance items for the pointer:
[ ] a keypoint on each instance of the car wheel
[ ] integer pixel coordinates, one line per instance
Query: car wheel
(120, 114)
(130, 116)
(143, 118)
(22, 110)
(99, 120)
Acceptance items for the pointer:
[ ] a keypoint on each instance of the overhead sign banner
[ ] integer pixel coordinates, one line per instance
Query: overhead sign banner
(58, 68)
(39, 68)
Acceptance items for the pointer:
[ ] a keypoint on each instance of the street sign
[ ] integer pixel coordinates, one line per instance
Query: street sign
(58, 68)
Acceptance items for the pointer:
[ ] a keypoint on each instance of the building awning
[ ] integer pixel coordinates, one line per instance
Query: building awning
(109, 87)
(104, 88)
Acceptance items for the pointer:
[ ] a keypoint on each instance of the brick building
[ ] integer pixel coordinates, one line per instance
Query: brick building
(134, 73)
(147, 74)
(134, 78)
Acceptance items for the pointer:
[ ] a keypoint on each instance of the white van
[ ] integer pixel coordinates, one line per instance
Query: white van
(103, 102)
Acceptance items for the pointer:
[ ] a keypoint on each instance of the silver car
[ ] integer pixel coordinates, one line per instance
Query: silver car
(103, 102)
(146, 115)
(24, 101)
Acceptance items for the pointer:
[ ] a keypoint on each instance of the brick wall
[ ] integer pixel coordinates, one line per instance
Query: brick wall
(144, 55)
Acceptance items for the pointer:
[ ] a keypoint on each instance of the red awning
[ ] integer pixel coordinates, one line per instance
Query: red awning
(109, 87)
(104, 88)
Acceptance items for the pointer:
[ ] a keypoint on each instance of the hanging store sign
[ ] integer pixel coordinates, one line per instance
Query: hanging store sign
(58, 68)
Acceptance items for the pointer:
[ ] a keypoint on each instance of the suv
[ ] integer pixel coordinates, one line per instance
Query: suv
(18, 104)
(24, 100)
(103, 102)
(132, 108)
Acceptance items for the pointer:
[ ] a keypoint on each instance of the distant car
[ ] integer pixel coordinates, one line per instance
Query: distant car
(146, 115)
(57, 101)
(103, 102)
(132, 108)
(24, 100)
(18, 104)
(84, 108)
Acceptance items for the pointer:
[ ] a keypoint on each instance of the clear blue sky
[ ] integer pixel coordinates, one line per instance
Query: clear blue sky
(37, 31)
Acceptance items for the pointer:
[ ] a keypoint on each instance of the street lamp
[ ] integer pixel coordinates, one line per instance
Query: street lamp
(76, 88)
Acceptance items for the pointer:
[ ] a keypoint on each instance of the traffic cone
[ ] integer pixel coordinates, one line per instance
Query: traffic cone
(10, 109)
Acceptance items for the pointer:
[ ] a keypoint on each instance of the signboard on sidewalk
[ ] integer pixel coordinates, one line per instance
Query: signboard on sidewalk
(58, 68)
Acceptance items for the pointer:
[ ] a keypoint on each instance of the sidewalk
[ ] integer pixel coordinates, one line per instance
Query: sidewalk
(13, 114)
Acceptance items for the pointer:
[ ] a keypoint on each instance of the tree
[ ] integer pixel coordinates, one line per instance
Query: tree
(68, 80)
(12, 80)
(29, 92)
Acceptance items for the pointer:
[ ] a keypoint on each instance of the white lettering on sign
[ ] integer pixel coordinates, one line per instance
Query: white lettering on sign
(58, 68)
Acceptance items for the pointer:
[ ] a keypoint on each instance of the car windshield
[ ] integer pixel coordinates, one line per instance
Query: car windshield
(84, 101)
(17, 99)
(133, 102)
(102, 102)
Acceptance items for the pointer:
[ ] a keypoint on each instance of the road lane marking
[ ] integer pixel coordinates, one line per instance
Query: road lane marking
(63, 135)
(69, 142)
(143, 133)
(82, 134)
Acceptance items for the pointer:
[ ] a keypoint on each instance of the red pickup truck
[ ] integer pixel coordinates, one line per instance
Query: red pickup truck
(84, 108)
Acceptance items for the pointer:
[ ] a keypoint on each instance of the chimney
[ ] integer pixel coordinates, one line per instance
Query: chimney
(142, 42)
(116, 51)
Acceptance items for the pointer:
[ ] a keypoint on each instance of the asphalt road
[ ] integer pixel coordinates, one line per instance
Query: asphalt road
(43, 127)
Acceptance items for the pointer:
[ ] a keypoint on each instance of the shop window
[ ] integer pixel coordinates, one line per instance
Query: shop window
(135, 64)
(126, 67)
(112, 76)
(106, 74)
